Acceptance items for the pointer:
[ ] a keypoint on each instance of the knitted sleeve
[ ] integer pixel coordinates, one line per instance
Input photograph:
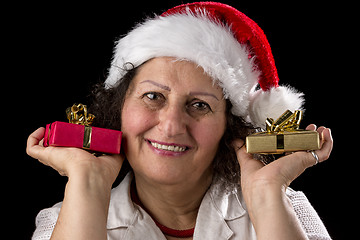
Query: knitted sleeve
(45, 222)
(307, 215)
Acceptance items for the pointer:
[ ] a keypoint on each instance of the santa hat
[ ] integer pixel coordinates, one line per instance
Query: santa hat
(229, 46)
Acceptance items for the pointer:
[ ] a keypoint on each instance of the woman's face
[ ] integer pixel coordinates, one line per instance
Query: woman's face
(172, 121)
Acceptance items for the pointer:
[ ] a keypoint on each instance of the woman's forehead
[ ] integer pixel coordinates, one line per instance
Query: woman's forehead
(168, 72)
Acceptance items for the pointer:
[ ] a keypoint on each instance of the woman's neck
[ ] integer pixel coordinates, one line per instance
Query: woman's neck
(174, 206)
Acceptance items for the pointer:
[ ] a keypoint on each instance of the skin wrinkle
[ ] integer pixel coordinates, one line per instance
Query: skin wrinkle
(169, 89)
(157, 84)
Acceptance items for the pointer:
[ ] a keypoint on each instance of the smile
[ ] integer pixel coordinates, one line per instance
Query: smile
(168, 147)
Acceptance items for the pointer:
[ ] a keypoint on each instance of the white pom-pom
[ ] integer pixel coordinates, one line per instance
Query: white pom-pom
(273, 103)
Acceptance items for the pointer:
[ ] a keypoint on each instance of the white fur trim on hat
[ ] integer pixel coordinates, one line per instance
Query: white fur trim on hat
(199, 39)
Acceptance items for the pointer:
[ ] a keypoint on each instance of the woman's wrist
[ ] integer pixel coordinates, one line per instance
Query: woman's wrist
(84, 211)
(90, 189)
(91, 174)
(260, 200)
(90, 182)
(272, 214)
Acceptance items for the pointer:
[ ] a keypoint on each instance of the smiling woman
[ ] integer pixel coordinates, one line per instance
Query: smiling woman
(185, 108)
(164, 111)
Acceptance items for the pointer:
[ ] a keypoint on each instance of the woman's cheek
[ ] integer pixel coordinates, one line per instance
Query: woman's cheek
(136, 119)
(208, 134)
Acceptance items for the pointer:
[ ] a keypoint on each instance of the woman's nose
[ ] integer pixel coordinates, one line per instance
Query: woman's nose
(172, 121)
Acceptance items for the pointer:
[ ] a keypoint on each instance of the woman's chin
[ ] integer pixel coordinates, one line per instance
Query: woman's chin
(166, 176)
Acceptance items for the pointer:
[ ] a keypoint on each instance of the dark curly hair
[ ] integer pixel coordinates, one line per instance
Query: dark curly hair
(107, 106)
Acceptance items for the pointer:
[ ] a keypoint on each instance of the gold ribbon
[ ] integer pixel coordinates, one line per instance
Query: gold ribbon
(288, 121)
(87, 137)
(78, 114)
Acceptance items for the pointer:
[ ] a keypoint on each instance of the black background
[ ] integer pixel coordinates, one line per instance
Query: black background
(54, 53)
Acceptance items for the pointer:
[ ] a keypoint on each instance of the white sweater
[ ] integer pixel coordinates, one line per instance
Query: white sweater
(222, 215)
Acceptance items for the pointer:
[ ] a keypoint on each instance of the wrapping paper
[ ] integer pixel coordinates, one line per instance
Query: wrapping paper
(95, 139)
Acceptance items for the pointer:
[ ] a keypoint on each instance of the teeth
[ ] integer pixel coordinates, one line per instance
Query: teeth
(168, 148)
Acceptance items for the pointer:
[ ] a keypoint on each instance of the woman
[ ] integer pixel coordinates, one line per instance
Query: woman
(183, 90)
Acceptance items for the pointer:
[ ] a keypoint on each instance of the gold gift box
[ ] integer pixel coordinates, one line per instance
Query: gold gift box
(282, 136)
(275, 143)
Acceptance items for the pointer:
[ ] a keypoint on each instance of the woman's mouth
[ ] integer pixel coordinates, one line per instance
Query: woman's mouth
(170, 147)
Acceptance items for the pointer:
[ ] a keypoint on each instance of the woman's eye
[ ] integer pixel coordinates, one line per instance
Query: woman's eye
(153, 99)
(153, 96)
(200, 107)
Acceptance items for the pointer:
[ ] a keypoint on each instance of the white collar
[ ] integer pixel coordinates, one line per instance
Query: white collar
(217, 207)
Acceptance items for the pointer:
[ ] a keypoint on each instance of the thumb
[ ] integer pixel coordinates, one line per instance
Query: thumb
(246, 160)
(293, 165)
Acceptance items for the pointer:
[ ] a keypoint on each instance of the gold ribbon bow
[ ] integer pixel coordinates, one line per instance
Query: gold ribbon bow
(288, 121)
(78, 114)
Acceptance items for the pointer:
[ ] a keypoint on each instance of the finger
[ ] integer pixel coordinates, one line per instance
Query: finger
(321, 129)
(248, 163)
(325, 137)
(311, 127)
(36, 136)
(326, 146)
(296, 163)
(32, 146)
(292, 166)
(306, 159)
(240, 149)
(238, 144)
(35, 148)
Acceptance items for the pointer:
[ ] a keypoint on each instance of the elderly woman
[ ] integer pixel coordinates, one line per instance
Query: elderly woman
(185, 88)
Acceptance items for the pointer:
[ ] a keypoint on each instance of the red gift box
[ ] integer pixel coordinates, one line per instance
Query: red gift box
(81, 136)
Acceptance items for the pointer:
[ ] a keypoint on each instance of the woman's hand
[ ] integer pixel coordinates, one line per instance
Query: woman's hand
(285, 169)
(84, 210)
(73, 161)
(263, 186)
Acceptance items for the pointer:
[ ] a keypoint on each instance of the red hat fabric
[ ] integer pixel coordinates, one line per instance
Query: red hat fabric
(246, 31)
(229, 46)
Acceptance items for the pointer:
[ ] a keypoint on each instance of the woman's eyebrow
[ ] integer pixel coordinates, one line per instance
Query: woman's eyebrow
(169, 89)
(203, 94)
(157, 84)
